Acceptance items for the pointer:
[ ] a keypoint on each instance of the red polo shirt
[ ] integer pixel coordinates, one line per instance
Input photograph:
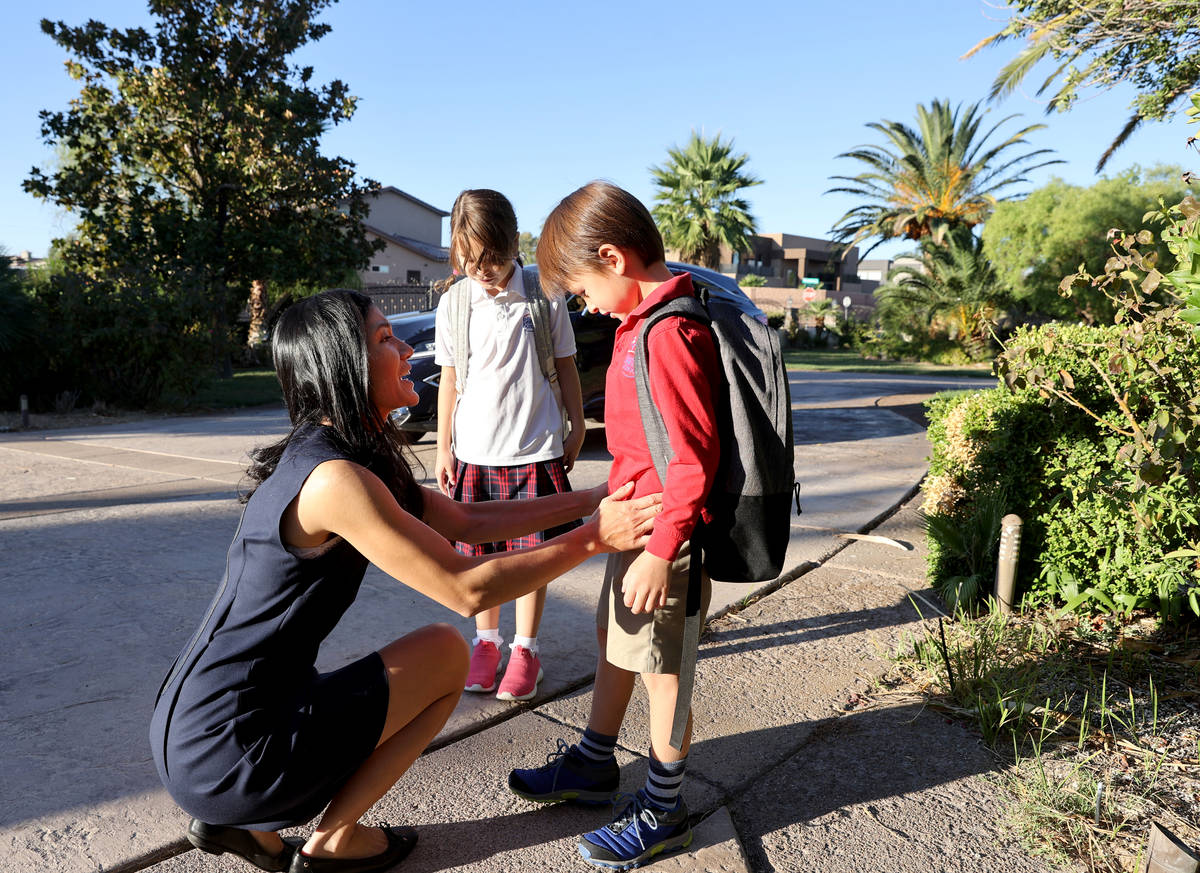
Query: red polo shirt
(684, 375)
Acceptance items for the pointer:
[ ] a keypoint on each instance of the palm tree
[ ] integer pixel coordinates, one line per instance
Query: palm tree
(939, 176)
(698, 209)
(953, 283)
(820, 311)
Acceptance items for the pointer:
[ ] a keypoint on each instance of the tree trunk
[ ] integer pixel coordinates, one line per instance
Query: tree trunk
(258, 314)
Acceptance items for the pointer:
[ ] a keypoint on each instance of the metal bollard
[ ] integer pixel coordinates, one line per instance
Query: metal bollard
(24, 411)
(1006, 567)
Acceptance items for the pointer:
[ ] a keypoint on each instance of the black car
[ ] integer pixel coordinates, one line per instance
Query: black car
(593, 349)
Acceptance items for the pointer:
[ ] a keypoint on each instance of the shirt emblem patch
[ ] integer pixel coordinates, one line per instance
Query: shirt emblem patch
(627, 368)
(527, 322)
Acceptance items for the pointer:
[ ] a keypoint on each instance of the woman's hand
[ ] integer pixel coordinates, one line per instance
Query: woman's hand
(444, 471)
(646, 583)
(624, 523)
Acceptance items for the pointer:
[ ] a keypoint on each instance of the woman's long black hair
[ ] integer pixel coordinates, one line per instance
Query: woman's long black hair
(320, 349)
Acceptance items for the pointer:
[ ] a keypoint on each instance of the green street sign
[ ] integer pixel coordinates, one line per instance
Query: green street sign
(808, 282)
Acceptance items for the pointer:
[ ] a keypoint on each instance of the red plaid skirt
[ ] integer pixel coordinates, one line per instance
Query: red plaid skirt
(477, 483)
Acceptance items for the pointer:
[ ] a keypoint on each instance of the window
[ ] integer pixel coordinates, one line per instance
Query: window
(413, 277)
(379, 268)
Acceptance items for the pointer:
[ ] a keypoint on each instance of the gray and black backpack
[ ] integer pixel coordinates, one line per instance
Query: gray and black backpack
(751, 500)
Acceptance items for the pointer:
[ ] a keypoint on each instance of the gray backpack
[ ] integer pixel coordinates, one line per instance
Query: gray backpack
(539, 312)
(750, 503)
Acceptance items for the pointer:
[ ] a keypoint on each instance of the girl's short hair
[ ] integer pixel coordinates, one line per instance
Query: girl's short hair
(586, 219)
(483, 227)
(319, 345)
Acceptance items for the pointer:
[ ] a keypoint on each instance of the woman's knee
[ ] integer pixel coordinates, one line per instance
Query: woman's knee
(438, 649)
(454, 647)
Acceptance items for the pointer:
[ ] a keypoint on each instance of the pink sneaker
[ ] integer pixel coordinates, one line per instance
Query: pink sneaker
(485, 664)
(522, 676)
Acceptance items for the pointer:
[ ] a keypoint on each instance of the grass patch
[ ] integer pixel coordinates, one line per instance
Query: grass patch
(1098, 724)
(849, 361)
(256, 387)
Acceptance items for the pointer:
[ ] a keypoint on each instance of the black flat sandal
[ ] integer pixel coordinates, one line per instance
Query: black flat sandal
(400, 842)
(218, 839)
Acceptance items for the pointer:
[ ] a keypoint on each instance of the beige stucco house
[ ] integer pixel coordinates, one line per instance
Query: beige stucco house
(411, 230)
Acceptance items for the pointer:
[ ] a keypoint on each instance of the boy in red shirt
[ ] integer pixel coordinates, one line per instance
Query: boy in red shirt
(601, 243)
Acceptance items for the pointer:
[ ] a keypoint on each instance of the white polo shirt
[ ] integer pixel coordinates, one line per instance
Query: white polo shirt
(507, 413)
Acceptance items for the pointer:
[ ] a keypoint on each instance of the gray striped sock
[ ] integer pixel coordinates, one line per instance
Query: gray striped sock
(595, 746)
(664, 781)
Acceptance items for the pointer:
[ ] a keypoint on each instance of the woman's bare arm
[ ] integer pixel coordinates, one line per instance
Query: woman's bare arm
(492, 520)
(343, 498)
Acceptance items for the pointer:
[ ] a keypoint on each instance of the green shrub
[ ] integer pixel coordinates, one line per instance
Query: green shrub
(1100, 515)
(897, 345)
(1103, 543)
(967, 545)
(122, 345)
(987, 455)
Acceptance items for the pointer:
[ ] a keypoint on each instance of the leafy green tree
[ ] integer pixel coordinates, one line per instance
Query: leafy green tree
(15, 309)
(1036, 241)
(697, 206)
(950, 284)
(939, 176)
(193, 162)
(527, 246)
(1152, 44)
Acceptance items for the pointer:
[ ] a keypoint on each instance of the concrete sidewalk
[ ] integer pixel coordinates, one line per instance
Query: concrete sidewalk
(114, 539)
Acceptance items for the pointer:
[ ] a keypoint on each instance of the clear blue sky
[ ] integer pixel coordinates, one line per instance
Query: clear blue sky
(536, 98)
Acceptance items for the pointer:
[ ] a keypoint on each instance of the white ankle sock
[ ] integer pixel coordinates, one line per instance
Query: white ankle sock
(491, 634)
(527, 642)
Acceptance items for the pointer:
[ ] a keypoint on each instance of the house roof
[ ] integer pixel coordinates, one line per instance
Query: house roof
(393, 190)
(434, 253)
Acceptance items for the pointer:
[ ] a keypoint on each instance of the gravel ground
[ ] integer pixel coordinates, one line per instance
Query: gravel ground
(1106, 723)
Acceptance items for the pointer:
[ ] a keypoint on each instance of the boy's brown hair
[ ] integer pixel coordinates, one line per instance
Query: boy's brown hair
(483, 227)
(586, 219)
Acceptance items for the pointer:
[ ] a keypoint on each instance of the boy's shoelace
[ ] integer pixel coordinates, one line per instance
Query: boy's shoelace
(635, 811)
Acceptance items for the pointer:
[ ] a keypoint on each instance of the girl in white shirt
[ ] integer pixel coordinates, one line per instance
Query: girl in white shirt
(500, 423)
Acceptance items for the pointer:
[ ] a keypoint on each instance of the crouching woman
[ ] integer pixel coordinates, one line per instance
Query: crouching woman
(247, 736)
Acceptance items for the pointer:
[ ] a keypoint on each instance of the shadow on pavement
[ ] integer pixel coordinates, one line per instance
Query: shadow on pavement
(801, 630)
(180, 490)
(459, 844)
(834, 764)
(849, 761)
(848, 424)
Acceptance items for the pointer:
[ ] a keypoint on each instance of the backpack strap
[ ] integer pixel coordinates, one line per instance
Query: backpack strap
(460, 324)
(539, 312)
(660, 451)
(652, 421)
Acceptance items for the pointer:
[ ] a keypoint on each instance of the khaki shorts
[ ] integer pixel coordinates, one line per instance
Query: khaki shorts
(650, 642)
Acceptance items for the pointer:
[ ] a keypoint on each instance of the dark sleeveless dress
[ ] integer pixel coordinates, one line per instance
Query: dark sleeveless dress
(245, 731)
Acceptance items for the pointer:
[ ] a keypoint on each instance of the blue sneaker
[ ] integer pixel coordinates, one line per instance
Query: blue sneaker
(567, 775)
(640, 831)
